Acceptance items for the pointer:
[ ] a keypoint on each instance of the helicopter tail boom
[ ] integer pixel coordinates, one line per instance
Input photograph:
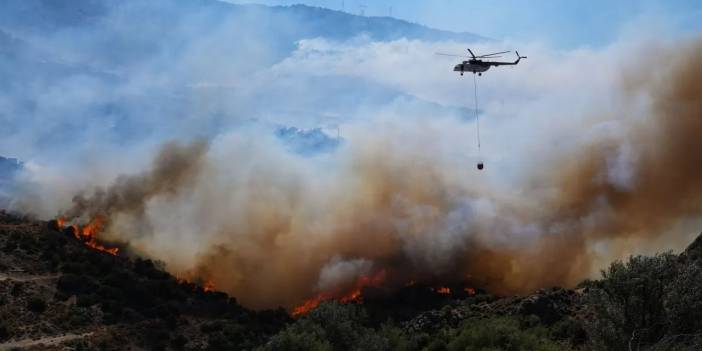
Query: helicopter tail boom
(519, 57)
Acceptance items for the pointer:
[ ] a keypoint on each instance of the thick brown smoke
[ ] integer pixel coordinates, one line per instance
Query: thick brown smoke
(174, 170)
(271, 232)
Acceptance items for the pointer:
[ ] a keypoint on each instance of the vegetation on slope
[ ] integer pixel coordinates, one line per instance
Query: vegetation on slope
(52, 285)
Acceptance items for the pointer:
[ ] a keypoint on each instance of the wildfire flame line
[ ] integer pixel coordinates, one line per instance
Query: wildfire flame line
(88, 234)
(355, 294)
(207, 285)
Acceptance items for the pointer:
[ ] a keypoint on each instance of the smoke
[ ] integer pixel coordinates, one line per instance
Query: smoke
(591, 154)
(274, 228)
(174, 169)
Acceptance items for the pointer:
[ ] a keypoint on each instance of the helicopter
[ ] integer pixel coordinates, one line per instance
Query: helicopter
(476, 65)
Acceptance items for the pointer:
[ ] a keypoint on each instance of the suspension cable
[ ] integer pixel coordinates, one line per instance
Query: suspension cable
(477, 117)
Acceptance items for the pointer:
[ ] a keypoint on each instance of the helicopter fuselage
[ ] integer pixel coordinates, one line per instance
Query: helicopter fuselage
(473, 66)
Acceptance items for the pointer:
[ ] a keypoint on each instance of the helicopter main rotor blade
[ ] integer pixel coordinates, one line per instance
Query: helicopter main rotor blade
(496, 53)
(442, 54)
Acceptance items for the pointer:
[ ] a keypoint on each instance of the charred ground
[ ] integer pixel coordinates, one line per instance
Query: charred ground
(57, 293)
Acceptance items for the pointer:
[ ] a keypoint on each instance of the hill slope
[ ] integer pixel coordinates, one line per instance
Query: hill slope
(54, 289)
(56, 292)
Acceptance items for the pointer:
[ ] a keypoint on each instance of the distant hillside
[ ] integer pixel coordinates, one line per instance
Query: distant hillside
(342, 25)
(49, 15)
(136, 69)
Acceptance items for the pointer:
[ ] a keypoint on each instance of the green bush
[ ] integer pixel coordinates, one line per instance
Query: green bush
(300, 339)
(396, 339)
(331, 326)
(683, 303)
(79, 317)
(569, 329)
(500, 334)
(627, 304)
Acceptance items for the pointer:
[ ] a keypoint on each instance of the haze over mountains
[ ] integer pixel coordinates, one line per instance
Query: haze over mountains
(129, 71)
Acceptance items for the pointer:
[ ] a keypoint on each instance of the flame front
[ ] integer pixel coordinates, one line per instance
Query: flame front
(187, 278)
(88, 234)
(443, 291)
(353, 295)
(208, 286)
(308, 305)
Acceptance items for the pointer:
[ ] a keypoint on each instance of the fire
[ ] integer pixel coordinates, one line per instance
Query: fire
(186, 278)
(443, 291)
(469, 291)
(354, 294)
(88, 234)
(308, 305)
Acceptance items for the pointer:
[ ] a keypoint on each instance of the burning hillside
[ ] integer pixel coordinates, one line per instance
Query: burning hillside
(87, 234)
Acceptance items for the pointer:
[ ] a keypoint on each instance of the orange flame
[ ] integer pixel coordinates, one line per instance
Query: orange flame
(470, 291)
(308, 305)
(354, 295)
(443, 291)
(208, 286)
(88, 234)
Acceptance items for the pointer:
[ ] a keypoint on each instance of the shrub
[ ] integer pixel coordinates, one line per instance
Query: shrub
(17, 288)
(396, 339)
(569, 329)
(211, 327)
(300, 339)
(628, 303)
(331, 326)
(79, 317)
(36, 304)
(4, 331)
(500, 334)
(75, 284)
(683, 302)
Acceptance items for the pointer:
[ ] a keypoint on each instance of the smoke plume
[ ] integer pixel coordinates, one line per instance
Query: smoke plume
(273, 228)
(174, 170)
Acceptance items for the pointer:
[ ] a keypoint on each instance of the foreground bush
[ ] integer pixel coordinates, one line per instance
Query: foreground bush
(646, 302)
(500, 334)
(331, 326)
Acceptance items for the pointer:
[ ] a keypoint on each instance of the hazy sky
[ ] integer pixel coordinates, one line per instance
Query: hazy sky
(562, 23)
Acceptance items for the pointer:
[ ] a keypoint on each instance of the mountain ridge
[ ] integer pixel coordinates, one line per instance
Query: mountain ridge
(50, 16)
